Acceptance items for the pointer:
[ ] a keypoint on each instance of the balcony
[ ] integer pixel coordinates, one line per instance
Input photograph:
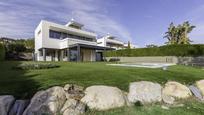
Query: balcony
(71, 41)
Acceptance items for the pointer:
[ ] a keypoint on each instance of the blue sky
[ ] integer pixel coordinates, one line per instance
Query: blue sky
(142, 22)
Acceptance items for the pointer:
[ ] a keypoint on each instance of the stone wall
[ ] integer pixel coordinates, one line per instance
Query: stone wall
(162, 59)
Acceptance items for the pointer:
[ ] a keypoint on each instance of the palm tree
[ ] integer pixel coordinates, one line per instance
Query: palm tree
(179, 34)
(185, 29)
(171, 34)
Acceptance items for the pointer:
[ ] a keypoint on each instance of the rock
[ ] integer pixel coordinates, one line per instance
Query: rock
(18, 107)
(74, 91)
(168, 99)
(196, 92)
(200, 85)
(165, 107)
(128, 103)
(144, 92)
(103, 97)
(49, 101)
(73, 107)
(6, 102)
(174, 90)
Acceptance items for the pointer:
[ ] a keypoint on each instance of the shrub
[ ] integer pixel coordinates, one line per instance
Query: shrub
(29, 66)
(16, 47)
(2, 52)
(114, 60)
(168, 50)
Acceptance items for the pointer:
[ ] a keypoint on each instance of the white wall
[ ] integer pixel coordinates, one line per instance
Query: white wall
(43, 40)
(101, 42)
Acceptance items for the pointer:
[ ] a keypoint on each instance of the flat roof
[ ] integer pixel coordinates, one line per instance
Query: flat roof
(74, 23)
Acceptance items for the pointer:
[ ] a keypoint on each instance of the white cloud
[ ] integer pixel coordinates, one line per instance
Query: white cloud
(197, 18)
(19, 18)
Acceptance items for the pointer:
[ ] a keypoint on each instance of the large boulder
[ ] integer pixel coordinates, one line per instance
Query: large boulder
(6, 102)
(200, 86)
(74, 91)
(73, 107)
(103, 97)
(174, 90)
(144, 92)
(18, 107)
(49, 101)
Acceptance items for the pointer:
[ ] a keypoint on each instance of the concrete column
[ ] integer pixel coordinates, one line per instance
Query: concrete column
(68, 54)
(56, 55)
(78, 54)
(61, 55)
(44, 54)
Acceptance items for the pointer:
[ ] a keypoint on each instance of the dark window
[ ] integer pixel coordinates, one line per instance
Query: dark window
(39, 32)
(60, 35)
(54, 34)
(64, 35)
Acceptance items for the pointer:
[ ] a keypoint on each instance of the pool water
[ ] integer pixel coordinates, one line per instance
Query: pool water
(145, 65)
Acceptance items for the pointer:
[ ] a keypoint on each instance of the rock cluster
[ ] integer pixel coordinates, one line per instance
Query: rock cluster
(73, 99)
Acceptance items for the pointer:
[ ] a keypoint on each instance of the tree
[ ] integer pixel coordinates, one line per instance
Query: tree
(128, 47)
(179, 34)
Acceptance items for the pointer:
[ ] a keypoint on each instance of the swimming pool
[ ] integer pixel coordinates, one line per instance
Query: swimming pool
(144, 65)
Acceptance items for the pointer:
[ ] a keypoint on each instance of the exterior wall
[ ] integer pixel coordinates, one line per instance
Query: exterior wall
(191, 60)
(104, 42)
(101, 42)
(162, 59)
(166, 59)
(42, 39)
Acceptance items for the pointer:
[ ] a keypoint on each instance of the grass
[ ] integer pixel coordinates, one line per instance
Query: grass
(24, 83)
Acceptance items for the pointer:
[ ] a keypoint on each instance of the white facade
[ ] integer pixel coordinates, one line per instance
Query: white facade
(113, 42)
(53, 40)
(110, 41)
(132, 46)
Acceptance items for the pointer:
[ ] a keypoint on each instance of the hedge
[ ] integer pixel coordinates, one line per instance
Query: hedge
(2, 52)
(168, 50)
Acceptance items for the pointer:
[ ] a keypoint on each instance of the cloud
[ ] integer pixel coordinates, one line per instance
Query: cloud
(197, 18)
(19, 18)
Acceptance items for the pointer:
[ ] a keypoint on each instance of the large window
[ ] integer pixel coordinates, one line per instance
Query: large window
(54, 34)
(61, 35)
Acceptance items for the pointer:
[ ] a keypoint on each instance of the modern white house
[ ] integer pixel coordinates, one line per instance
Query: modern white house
(113, 42)
(70, 42)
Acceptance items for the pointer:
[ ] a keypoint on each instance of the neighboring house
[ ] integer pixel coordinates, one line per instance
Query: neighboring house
(132, 46)
(70, 42)
(111, 42)
(6, 40)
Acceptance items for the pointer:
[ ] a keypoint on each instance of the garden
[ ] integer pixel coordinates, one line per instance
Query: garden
(24, 83)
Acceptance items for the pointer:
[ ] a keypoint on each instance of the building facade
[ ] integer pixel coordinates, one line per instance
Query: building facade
(70, 42)
(111, 42)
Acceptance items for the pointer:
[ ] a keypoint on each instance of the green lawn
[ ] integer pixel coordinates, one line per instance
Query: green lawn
(24, 83)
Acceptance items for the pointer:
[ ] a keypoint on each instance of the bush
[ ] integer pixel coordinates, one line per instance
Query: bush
(2, 52)
(114, 60)
(168, 50)
(29, 66)
(16, 47)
